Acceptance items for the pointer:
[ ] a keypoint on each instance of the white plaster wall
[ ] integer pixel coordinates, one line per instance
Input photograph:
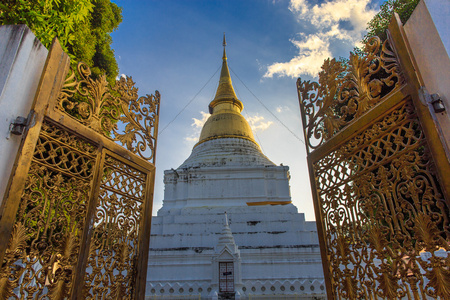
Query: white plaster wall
(271, 289)
(22, 59)
(226, 152)
(275, 264)
(261, 267)
(224, 186)
(275, 241)
(186, 227)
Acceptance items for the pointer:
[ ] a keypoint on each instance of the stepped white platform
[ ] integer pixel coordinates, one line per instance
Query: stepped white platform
(278, 250)
(227, 228)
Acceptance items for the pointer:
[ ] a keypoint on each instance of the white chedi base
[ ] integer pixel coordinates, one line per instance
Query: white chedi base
(279, 252)
(273, 249)
(225, 172)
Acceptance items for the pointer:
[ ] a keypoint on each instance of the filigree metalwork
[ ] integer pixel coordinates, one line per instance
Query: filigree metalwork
(387, 226)
(345, 91)
(43, 247)
(113, 253)
(116, 112)
(76, 215)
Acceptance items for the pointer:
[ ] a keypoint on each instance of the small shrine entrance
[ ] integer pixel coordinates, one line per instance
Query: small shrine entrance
(226, 277)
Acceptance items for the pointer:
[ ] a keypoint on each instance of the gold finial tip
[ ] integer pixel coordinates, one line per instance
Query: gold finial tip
(224, 57)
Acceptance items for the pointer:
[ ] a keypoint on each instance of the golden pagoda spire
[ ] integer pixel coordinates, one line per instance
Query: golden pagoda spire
(224, 45)
(226, 120)
(225, 91)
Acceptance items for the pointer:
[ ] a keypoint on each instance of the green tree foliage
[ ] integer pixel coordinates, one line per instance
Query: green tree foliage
(379, 23)
(83, 27)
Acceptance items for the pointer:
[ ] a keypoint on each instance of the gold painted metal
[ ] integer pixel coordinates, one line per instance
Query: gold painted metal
(43, 247)
(103, 109)
(343, 94)
(425, 114)
(376, 168)
(225, 90)
(112, 260)
(76, 218)
(226, 119)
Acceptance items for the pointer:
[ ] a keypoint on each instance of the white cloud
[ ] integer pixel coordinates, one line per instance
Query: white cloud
(281, 109)
(198, 125)
(191, 139)
(257, 123)
(312, 52)
(121, 76)
(335, 20)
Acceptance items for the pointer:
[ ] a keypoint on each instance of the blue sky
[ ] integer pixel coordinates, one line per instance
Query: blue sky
(175, 46)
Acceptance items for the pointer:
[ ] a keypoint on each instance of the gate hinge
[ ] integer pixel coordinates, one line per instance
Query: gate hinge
(18, 126)
(437, 103)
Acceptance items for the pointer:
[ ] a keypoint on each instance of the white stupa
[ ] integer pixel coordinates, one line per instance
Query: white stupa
(227, 228)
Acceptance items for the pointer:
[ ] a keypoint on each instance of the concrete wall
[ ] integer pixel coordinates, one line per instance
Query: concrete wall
(279, 251)
(22, 59)
(428, 33)
(222, 186)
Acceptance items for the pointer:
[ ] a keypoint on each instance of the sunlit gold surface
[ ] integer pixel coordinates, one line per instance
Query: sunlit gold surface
(226, 119)
(380, 207)
(344, 93)
(226, 123)
(43, 248)
(225, 90)
(113, 250)
(104, 109)
(268, 203)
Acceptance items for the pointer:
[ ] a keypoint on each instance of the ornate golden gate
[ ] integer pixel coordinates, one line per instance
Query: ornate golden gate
(75, 222)
(379, 175)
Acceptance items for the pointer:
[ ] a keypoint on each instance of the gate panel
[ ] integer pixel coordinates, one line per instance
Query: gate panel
(381, 208)
(118, 216)
(42, 250)
(76, 218)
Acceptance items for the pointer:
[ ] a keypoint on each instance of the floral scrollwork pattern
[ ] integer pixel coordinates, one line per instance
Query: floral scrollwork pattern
(112, 260)
(117, 112)
(346, 90)
(43, 248)
(387, 225)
